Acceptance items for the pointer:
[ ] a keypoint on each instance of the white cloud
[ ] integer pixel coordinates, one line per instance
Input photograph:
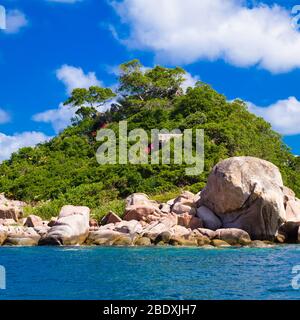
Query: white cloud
(10, 144)
(187, 31)
(74, 77)
(15, 21)
(190, 81)
(284, 115)
(59, 118)
(4, 116)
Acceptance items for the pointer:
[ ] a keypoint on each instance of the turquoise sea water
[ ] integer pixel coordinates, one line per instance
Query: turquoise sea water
(149, 273)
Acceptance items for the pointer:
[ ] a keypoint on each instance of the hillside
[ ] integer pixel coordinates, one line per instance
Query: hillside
(64, 170)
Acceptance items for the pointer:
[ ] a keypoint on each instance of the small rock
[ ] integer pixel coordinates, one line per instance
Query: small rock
(33, 221)
(233, 236)
(52, 222)
(180, 208)
(142, 241)
(93, 223)
(220, 243)
(288, 232)
(131, 227)
(111, 217)
(123, 241)
(208, 218)
(103, 237)
(207, 232)
(163, 237)
(3, 235)
(189, 221)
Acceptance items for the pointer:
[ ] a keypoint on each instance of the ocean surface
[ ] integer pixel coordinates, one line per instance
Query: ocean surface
(150, 273)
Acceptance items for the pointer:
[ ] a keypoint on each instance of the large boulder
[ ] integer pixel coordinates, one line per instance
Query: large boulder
(154, 229)
(189, 221)
(139, 207)
(293, 210)
(233, 236)
(103, 237)
(71, 227)
(208, 218)
(246, 193)
(184, 203)
(131, 227)
(21, 236)
(3, 234)
(11, 209)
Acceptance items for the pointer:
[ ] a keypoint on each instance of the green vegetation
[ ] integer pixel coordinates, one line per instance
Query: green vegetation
(65, 170)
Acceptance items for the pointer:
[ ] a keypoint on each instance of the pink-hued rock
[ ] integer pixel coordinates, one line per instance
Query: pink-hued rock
(180, 231)
(93, 223)
(207, 232)
(184, 203)
(208, 218)
(111, 217)
(246, 193)
(170, 219)
(21, 236)
(186, 197)
(142, 212)
(289, 194)
(131, 227)
(180, 208)
(71, 227)
(3, 234)
(139, 207)
(189, 221)
(140, 199)
(233, 236)
(33, 221)
(165, 208)
(11, 209)
(8, 222)
(293, 210)
(103, 237)
(154, 229)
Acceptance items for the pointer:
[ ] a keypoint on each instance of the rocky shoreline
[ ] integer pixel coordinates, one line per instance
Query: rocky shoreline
(243, 204)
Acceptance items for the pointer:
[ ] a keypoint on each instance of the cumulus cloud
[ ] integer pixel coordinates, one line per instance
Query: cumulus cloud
(10, 144)
(74, 77)
(284, 115)
(4, 116)
(190, 81)
(191, 30)
(15, 21)
(59, 118)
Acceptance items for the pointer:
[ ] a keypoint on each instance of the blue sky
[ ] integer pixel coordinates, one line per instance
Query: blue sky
(244, 49)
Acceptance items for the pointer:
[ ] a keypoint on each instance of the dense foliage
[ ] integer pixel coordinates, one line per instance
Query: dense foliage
(65, 170)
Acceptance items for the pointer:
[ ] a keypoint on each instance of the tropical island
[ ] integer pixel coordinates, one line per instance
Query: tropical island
(57, 194)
